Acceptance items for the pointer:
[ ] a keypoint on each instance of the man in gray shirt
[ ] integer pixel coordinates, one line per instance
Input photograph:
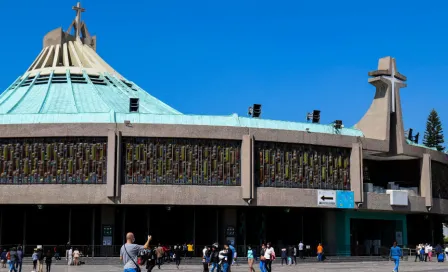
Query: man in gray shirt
(129, 253)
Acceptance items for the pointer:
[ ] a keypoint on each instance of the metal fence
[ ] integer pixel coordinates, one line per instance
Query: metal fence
(114, 250)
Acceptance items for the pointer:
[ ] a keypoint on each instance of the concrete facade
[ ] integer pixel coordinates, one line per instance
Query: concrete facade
(383, 140)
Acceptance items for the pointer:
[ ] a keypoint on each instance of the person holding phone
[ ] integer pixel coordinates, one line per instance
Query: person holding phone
(129, 253)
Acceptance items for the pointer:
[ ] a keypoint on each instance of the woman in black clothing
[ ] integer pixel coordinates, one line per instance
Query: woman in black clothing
(177, 254)
(48, 258)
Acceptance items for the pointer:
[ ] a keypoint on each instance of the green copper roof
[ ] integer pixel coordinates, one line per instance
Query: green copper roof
(82, 98)
(76, 94)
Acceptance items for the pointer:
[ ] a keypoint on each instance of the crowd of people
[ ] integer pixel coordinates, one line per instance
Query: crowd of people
(12, 258)
(424, 253)
(214, 258)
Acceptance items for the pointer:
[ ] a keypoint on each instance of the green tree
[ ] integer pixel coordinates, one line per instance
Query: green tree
(434, 132)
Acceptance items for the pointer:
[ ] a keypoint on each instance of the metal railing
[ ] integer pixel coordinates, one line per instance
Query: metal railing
(114, 250)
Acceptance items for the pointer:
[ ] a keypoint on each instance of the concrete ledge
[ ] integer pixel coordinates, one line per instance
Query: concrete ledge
(439, 206)
(286, 197)
(54, 194)
(182, 195)
(381, 202)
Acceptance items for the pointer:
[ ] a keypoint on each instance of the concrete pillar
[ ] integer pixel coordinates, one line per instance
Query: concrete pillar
(118, 166)
(24, 229)
(247, 167)
(229, 219)
(148, 221)
(217, 225)
(123, 227)
(111, 154)
(356, 172)
(329, 232)
(426, 180)
(93, 232)
(107, 219)
(70, 225)
(1, 225)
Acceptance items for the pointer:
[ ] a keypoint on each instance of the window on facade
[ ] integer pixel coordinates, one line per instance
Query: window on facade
(53, 161)
(381, 175)
(439, 180)
(302, 166)
(181, 161)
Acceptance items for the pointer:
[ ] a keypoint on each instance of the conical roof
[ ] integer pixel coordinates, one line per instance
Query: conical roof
(69, 82)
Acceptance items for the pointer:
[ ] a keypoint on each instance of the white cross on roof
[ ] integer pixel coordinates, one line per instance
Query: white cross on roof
(393, 80)
(78, 10)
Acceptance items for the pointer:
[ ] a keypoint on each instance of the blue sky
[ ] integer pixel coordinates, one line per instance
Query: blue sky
(219, 57)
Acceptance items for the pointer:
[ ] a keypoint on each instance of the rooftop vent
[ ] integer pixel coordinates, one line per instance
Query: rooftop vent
(59, 78)
(78, 78)
(28, 81)
(97, 80)
(110, 81)
(42, 79)
(133, 104)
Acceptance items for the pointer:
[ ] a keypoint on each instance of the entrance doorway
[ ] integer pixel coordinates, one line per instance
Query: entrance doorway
(368, 236)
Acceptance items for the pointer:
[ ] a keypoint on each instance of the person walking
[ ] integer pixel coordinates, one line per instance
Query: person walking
(250, 259)
(35, 258)
(3, 258)
(227, 261)
(160, 253)
(19, 259)
(295, 255)
(234, 261)
(320, 253)
(417, 252)
(269, 256)
(395, 254)
(190, 250)
(262, 259)
(129, 253)
(48, 260)
(177, 255)
(205, 259)
(429, 252)
(76, 255)
(300, 250)
(214, 259)
(284, 256)
(40, 261)
(12, 259)
(69, 256)
(439, 253)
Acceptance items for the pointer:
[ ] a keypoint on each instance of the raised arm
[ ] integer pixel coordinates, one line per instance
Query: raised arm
(147, 242)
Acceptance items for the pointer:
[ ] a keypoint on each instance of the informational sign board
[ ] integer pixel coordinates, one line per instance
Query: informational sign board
(230, 231)
(336, 199)
(345, 199)
(107, 230)
(399, 237)
(326, 198)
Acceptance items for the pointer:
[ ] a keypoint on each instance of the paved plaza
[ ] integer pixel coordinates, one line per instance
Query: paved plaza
(309, 267)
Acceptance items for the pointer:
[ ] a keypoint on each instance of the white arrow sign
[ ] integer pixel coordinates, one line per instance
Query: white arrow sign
(326, 198)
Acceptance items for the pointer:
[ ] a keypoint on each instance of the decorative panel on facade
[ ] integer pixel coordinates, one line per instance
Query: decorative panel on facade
(53, 161)
(182, 161)
(302, 166)
(439, 173)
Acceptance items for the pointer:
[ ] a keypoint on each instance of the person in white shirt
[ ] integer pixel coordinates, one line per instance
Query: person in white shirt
(269, 256)
(426, 252)
(301, 250)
